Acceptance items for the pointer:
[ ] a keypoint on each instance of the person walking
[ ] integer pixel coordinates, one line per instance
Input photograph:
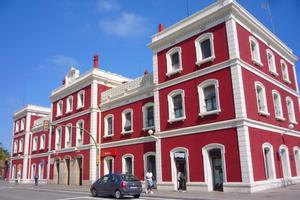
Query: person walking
(181, 181)
(36, 180)
(149, 182)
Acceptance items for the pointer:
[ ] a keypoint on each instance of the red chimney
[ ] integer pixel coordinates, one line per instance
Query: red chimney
(96, 61)
(161, 27)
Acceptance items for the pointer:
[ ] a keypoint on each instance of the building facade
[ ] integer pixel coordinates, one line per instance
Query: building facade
(221, 107)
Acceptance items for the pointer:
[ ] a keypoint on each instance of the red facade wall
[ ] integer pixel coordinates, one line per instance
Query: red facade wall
(18, 138)
(189, 53)
(37, 161)
(194, 143)
(245, 54)
(251, 102)
(258, 138)
(38, 135)
(192, 101)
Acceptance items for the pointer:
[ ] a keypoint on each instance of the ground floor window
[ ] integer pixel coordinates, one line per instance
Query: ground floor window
(297, 160)
(127, 164)
(269, 161)
(285, 161)
(108, 165)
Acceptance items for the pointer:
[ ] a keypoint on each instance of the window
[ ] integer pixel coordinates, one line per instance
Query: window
(59, 108)
(68, 138)
(148, 116)
(21, 145)
(271, 62)
(16, 146)
(297, 160)
(127, 164)
(176, 106)
(42, 141)
(109, 126)
(108, 165)
(33, 170)
(69, 104)
(17, 126)
(277, 105)
(58, 138)
(41, 170)
(80, 99)
(127, 119)
(285, 161)
(174, 63)
(79, 133)
(209, 102)
(285, 71)
(204, 48)
(261, 99)
(291, 110)
(255, 53)
(34, 143)
(22, 124)
(269, 161)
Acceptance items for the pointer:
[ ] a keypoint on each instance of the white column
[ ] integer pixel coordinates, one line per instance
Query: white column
(158, 161)
(49, 143)
(232, 39)
(26, 146)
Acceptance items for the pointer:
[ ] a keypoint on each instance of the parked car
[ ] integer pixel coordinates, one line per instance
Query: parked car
(117, 185)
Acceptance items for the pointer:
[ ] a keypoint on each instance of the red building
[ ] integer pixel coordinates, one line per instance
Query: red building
(220, 107)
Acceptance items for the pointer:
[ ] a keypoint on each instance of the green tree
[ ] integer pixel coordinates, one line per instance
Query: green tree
(3, 153)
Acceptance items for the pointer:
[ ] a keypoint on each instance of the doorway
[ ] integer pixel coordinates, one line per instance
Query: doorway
(217, 169)
(68, 171)
(79, 161)
(57, 171)
(180, 165)
(108, 165)
(150, 165)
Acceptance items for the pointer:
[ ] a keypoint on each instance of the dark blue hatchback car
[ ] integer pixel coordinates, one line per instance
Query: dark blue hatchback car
(117, 185)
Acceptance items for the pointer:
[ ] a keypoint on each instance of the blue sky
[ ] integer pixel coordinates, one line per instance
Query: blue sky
(39, 40)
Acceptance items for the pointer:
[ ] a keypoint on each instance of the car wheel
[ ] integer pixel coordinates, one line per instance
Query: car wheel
(136, 196)
(94, 192)
(118, 194)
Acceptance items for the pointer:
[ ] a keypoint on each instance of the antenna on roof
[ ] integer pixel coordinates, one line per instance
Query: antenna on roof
(266, 6)
(187, 8)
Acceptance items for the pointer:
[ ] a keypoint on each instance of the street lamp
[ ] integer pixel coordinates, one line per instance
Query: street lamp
(151, 134)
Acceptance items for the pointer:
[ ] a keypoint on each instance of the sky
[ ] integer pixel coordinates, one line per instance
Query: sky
(40, 40)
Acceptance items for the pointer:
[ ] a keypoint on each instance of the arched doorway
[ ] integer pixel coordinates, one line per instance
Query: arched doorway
(285, 161)
(14, 172)
(179, 163)
(108, 165)
(33, 170)
(297, 160)
(127, 164)
(56, 171)
(67, 163)
(150, 165)
(79, 162)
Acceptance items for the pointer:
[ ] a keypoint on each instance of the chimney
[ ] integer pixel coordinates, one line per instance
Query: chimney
(161, 27)
(96, 61)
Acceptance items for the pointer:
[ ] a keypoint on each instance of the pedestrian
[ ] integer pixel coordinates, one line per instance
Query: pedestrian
(181, 181)
(18, 178)
(36, 180)
(149, 182)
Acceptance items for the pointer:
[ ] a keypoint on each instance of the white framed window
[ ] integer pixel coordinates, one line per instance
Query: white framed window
(108, 165)
(204, 45)
(17, 126)
(285, 161)
(148, 116)
(261, 99)
(255, 53)
(69, 104)
(128, 164)
(59, 108)
(58, 134)
(174, 61)
(79, 132)
(297, 159)
(34, 143)
(271, 62)
(22, 125)
(268, 154)
(285, 71)
(21, 145)
(176, 105)
(42, 141)
(209, 101)
(291, 110)
(68, 136)
(80, 99)
(109, 125)
(127, 120)
(41, 169)
(33, 170)
(277, 105)
(15, 146)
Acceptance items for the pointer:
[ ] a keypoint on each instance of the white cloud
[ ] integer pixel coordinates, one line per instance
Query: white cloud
(64, 61)
(124, 25)
(108, 5)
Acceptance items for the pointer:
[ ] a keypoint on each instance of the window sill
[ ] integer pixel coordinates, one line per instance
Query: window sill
(69, 111)
(127, 132)
(58, 115)
(177, 119)
(210, 59)
(266, 114)
(256, 62)
(280, 118)
(148, 128)
(108, 136)
(78, 108)
(294, 122)
(274, 73)
(214, 112)
(42, 148)
(170, 73)
(287, 81)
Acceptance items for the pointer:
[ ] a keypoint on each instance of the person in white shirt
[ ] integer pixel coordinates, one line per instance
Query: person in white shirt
(149, 182)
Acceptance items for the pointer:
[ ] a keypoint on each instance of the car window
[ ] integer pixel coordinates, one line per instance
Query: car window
(129, 177)
(103, 179)
(112, 179)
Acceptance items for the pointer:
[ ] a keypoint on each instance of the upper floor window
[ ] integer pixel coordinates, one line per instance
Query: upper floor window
(42, 141)
(148, 116)
(58, 135)
(34, 143)
(22, 124)
(16, 146)
(261, 99)
(59, 108)
(205, 48)
(255, 53)
(209, 97)
(80, 99)
(68, 137)
(285, 71)
(271, 62)
(174, 62)
(17, 126)
(69, 104)
(176, 105)
(291, 110)
(108, 125)
(127, 119)
(79, 132)
(277, 105)
(21, 145)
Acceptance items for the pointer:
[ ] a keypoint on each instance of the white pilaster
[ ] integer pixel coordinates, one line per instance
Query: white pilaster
(26, 146)
(158, 160)
(232, 39)
(49, 142)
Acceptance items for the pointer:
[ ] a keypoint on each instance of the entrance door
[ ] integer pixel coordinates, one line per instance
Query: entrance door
(68, 171)
(217, 169)
(79, 160)
(57, 171)
(152, 167)
(180, 163)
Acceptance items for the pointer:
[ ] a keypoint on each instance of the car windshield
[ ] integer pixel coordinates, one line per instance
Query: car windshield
(129, 177)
